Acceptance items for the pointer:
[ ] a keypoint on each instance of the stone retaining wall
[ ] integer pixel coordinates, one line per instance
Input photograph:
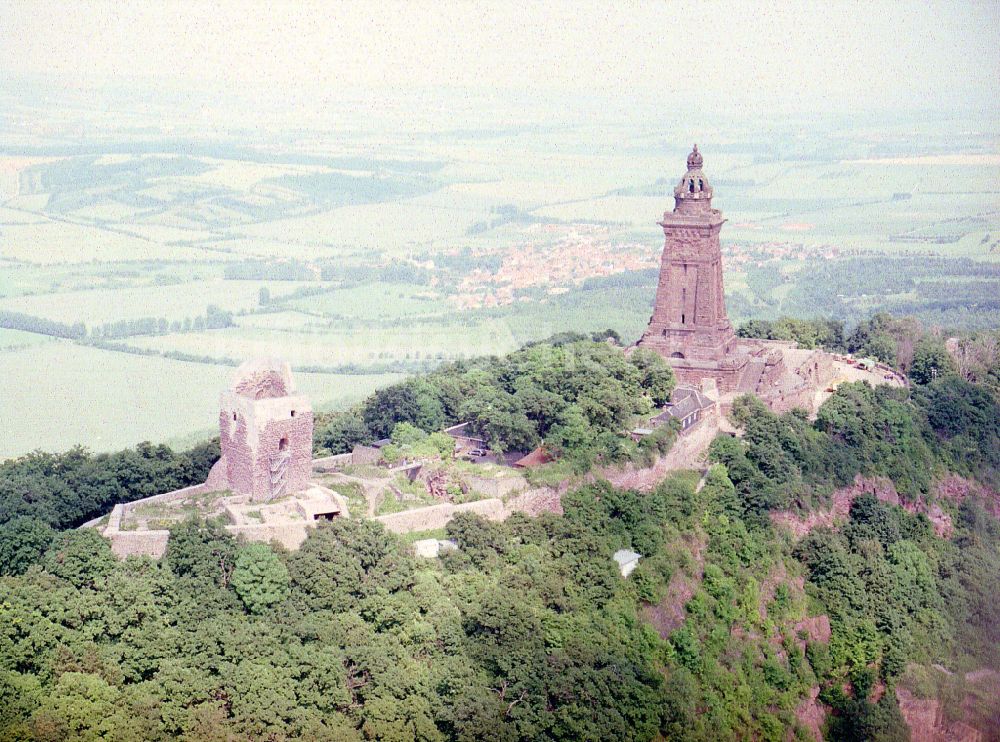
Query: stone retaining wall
(331, 463)
(498, 487)
(289, 535)
(687, 453)
(438, 516)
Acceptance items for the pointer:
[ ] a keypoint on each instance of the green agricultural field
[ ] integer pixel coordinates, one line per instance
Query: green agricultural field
(380, 301)
(16, 339)
(334, 347)
(51, 242)
(109, 400)
(174, 302)
(19, 279)
(386, 228)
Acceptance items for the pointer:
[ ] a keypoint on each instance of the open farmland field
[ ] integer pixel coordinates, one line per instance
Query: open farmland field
(174, 302)
(17, 339)
(450, 245)
(51, 241)
(333, 347)
(109, 400)
(403, 301)
(387, 228)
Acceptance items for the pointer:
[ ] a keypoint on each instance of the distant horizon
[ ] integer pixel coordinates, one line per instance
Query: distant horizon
(641, 59)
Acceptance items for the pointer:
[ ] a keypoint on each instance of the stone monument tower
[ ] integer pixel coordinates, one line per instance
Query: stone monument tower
(689, 326)
(266, 432)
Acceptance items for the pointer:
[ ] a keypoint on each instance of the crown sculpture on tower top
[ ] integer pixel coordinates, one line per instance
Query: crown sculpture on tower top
(695, 159)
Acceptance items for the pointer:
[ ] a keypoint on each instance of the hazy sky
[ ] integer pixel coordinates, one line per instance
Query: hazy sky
(827, 55)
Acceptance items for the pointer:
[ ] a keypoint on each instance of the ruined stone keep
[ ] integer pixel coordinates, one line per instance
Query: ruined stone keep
(689, 326)
(266, 432)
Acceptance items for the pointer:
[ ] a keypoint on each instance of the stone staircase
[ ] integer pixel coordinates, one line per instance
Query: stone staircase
(751, 376)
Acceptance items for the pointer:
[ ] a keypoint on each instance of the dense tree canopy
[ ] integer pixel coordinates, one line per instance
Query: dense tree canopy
(577, 396)
(70, 488)
(526, 631)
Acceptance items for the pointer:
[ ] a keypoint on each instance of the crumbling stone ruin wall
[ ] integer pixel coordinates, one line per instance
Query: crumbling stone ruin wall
(262, 383)
(785, 400)
(688, 452)
(133, 543)
(266, 432)
(139, 543)
(365, 455)
(727, 377)
(331, 463)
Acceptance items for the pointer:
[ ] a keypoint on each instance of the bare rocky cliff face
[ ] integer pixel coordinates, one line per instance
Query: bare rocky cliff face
(929, 722)
(951, 487)
(926, 717)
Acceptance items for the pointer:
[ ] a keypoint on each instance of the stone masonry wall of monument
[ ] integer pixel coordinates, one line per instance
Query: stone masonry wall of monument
(689, 325)
(266, 443)
(727, 379)
(296, 432)
(236, 451)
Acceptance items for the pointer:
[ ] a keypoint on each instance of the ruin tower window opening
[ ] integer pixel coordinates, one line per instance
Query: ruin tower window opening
(234, 417)
(283, 444)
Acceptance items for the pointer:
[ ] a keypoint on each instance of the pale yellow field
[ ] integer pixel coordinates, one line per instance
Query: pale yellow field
(62, 242)
(97, 306)
(333, 348)
(382, 226)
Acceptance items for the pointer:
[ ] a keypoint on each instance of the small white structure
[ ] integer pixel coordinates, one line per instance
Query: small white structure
(627, 561)
(431, 548)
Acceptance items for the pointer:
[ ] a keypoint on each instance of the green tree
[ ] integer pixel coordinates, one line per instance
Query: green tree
(930, 361)
(260, 578)
(77, 708)
(82, 557)
(657, 378)
(23, 540)
(202, 550)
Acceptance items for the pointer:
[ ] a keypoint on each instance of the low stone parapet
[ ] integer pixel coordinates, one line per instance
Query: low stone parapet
(438, 516)
(331, 463)
(289, 535)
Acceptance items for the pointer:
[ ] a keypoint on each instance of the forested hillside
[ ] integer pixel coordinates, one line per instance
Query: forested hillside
(729, 628)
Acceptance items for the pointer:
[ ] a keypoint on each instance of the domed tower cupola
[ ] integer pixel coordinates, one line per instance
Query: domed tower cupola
(693, 193)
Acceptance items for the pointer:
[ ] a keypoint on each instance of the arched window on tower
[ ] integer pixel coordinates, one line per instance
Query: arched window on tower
(701, 184)
(691, 186)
